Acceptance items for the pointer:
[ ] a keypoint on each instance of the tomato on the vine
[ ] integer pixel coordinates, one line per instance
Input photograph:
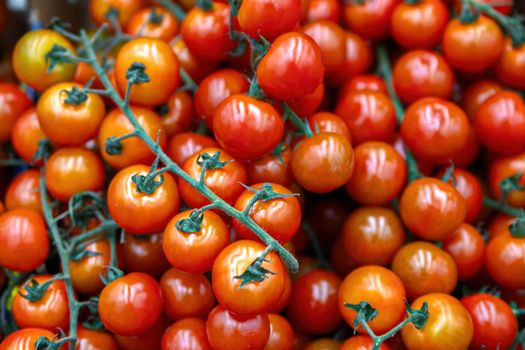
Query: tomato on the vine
(143, 253)
(371, 18)
(153, 22)
(184, 145)
(23, 191)
(25, 339)
(511, 65)
(26, 136)
(186, 334)
(89, 339)
(178, 116)
(505, 260)
(13, 102)
(323, 9)
(281, 333)
(271, 168)
(361, 342)
(124, 9)
(467, 247)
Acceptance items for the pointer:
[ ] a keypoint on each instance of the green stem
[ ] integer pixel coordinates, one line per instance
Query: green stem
(299, 123)
(107, 225)
(12, 162)
(189, 83)
(385, 70)
(501, 206)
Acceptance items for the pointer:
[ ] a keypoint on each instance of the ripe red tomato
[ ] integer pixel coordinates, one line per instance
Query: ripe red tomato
(271, 169)
(254, 297)
(25, 339)
(472, 47)
(51, 312)
(329, 122)
(13, 102)
(144, 254)
(510, 66)
(361, 342)
(419, 25)
(500, 123)
(24, 244)
(311, 310)
(422, 73)
(164, 27)
(470, 151)
(88, 339)
(477, 93)
(281, 334)
(98, 9)
(363, 82)
(323, 9)
(247, 128)
(180, 113)
(449, 325)
(292, 67)
(503, 167)
(184, 145)
(467, 247)
(324, 344)
(432, 209)
(306, 105)
(358, 59)
(186, 334)
(26, 135)
(140, 212)
(131, 304)
(195, 251)
(23, 191)
(197, 68)
(505, 260)
(369, 19)
(436, 273)
(150, 339)
(373, 235)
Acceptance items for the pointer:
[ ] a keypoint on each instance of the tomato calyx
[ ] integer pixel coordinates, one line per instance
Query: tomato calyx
(210, 162)
(266, 193)
(205, 5)
(255, 272)
(43, 151)
(449, 175)
(192, 223)
(35, 291)
(155, 17)
(412, 2)
(75, 96)
(113, 273)
(58, 54)
(56, 343)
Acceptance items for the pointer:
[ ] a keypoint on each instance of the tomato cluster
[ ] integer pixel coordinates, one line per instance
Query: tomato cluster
(233, 176)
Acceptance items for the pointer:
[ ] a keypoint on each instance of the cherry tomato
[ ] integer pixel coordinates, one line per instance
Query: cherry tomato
(328, 122)
(88, 339)
(286, 295)
(186, 334)
(362, 285)
(134, 150)
(153, 22)
(281, 334)
(324, 344)
(71, 170)
(432, 209)
(503, 167)
(470, 151)
(379, 174)
(228, 331)
(50, 312)
(292, 67)
(162, 68)
(197, 68)
(363, 82)
(500, 123)
(425, 268)
(184, 145)
(358, 59)
(505, 260)
(499, 224)
(31, 65)
(26, 135)
(369, 115)
(23, 191)
(361, 342)
(313, 305)
(472, 47)
(84, 73)
(422, 73)
(419, 25)
(179, 113)
(151, 339)
(477, 93)
(142, 212)
(25, 339)
(504, 7)
(253, 297)
(467, 247)
(271, 168)
(187, 294)
(24, 244)
(370, 19)
(323, 9)
(144, 254)
(224, 182)
(247, 128)
(98, 9)
(13, 102)
(449, 325)
(306, 105)
(510, 66)
(323, 162)
(131, 304)
(340, 260)
(206, 33)
(59, 118)
(373, 235)
(269, 18)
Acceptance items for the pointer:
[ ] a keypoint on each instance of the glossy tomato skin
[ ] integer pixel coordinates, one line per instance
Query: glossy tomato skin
(477, 93)
(224, 182)
(246, 127)
(138, 212)
(500, 123)
(24, 241)
(449, 325)
(26, 135)
(131, 304)
(88, 339)
(467, 247)
(323, 9)
(358, 59)
(495, 325)
(98, 9)
(363, 82)
(271, 169)
(281, 334)
(510, 66)
(306, 105)
(436, 273)
(50, 312)
(23, 191)
(59, 119)
(184, 145)
(362, 285)
(472, 47)
(227, 331)
(369, 115)
(206, 32)
(151, 339)
(431, 208)
(313, 305)
(505, 260)
(254, 297)
(14, 102)
(141, 25)
(420, 25)
(162, 68)
(279, 217)
(379, 174)
(187, 294)
(144, 254)
(25, 339)
(323, 162)
(215, 88)
(503, 167)
(134, 150)
(324, 344)
(292, 67)
(284, 299)
(29, 59)
(269, 18)
(422, 73)
(195, 251)
(361, 342)
(370, 19)
(469, 152)
(186, 334)
(329, 122)
(372, 235)
(197, 68)
(180, 113)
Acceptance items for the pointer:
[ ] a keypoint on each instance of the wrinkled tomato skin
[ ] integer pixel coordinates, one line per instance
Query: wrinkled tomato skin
(437, 273)
(179, 115)
(186, 334)
(323, 9)
(313, 304)
(467, 247)
(98, 9)
(281, 334)
(505, 260)
(23, 191)
(495, 325)
(88, 339)
(511, 65)
(144, 254)
(422, 73)
(477, 93)
(26, 135)
(25, 339)
(379, 174)
(503, 167)
(358, 59)
(13, 102)
(184, 145)
(271, 169)
(246, 127)
(361, 342)
(227, 331)
(370, 19)
(329, 122)
(292, 67)
(140, 24)
(131, 304)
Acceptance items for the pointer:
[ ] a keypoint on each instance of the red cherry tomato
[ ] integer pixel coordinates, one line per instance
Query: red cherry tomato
(503, 167)
(467, 247)
(324, 9)
(358, 59)
(281, 334)
(98, 9)
(150, 339)
(184, 145)
(328, 122)
(179, 113)
(186, 334)
(25, 339)
(477, 93)
(361, 342)
(154, 22)
(197, 68)
(511, 65)
(306, 105)
(23, 191)
(505, 260)
(271, 168)
(144, 254)
(370, 19)
(88, 339)
(363, 82)
(13, 102)
(26, 135)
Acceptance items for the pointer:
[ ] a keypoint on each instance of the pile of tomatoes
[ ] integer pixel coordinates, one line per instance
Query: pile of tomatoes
(169, 156)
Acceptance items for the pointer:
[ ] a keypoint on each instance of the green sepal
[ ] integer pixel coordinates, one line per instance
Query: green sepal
(154, 17)
(112, 275)
(365, 312)
(418, 317)
(211, 161)
(255, 272)
(75, 96)
(511, 183)
(43, 151)
(78, 255)
(190, 224)
(55, 56)
(136, 73)
(113, 146)
(146, 184)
